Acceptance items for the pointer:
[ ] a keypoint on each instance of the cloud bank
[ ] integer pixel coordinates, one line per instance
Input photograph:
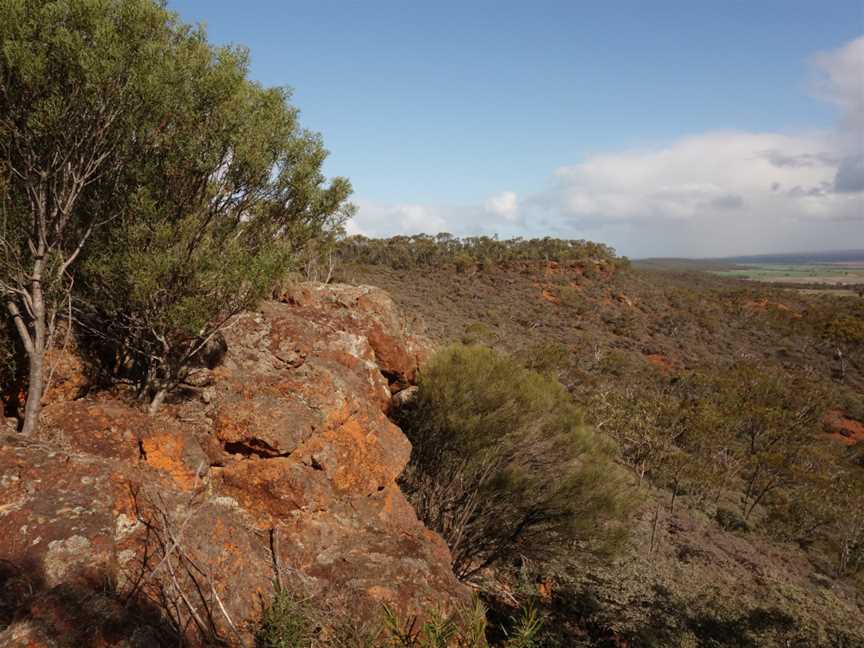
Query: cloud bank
(710, 194)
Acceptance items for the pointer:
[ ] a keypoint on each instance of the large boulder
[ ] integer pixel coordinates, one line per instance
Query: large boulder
(372, 313)
(281, 466)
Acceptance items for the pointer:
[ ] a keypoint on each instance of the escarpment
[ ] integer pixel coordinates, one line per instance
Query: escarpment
(277, 467)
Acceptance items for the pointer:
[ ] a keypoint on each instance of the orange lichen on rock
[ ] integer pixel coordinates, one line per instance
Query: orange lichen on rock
(292, 442)
(164, 452)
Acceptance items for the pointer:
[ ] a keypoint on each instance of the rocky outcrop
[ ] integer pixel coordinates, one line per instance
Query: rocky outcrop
(280, 465)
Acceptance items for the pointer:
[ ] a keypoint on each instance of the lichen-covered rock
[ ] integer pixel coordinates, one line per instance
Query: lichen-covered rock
(282, 464)
(370, 312)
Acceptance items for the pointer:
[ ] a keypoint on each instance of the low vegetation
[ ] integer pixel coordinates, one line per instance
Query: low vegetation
(503, 466)
(716, 394)
(290, 621)
(446, 250)
(614, 456)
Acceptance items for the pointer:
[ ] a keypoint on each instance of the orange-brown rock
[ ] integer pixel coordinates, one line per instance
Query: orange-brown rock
(284, 464)
(664, 364)
(843, 429)
(370, 313)
(547, 295)
(66, 376)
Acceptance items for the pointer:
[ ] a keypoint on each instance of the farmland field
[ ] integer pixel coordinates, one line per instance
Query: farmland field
(833, 274)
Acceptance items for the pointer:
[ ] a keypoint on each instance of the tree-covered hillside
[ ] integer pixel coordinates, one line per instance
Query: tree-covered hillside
(737, 410)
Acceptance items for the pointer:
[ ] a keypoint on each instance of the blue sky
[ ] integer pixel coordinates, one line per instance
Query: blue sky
(476, 117)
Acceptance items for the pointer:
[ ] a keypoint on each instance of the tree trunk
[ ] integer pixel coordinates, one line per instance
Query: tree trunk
(36, 352)
(157, 401)
(654, 527)
(34, 388)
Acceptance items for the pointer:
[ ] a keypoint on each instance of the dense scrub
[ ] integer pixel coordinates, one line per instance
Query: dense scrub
(717, 393)
(445, 250)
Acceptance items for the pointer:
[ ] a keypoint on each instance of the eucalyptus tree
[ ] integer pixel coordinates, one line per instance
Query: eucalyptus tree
(229, 195)
(143, 174)
(79, 94)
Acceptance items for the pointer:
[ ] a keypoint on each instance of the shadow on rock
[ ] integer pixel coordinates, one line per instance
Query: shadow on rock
(83, 611)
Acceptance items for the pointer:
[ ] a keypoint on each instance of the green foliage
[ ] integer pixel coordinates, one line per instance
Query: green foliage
(743, 428)
(403, 252)
(192, 187)
(466, 628)
(769, 420)
(552, 358)
(477, 333)
(645, 422)
(730, 520)
(292, 622)
(526, 628)
(572, 297)
(82, 94)
(226, 191)
(287, 623)
(847, 329)
(502, 464)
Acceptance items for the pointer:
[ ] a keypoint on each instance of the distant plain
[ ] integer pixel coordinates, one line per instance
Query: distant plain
(830, 276)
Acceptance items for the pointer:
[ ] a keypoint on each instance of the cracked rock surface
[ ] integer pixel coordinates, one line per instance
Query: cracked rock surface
(283, 460)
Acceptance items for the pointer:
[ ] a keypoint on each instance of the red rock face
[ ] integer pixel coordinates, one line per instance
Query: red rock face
(287, 450)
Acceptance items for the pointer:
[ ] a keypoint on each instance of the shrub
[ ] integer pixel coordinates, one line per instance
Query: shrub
(82, 94)
(477, 333)
(8, 360)
(206, 222)
(571, 296)
(287, 623)
(502, 464)
(730, 520)
(552, 358)
(294, 622)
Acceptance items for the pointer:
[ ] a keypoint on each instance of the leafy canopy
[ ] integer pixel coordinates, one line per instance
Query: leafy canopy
(224, 192)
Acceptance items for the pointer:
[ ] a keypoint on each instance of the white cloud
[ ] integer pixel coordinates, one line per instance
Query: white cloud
(505, 205)
(841, 80)
(712, 194)
(375, 219)
(709, 194)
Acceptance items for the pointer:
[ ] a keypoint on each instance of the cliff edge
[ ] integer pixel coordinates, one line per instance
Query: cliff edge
(277, 465)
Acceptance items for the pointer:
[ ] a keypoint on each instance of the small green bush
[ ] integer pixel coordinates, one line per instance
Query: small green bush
(292, 622)
(477, 333)
(730, 520)
(552, 358)
(288, 622)
(502, 464)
